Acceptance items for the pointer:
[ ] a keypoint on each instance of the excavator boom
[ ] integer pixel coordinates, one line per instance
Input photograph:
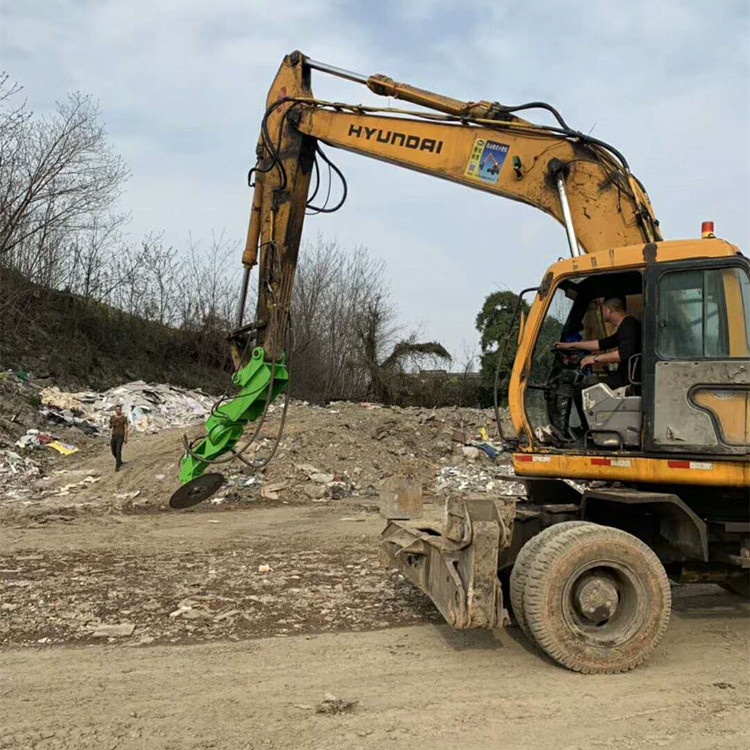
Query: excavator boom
(582, 182)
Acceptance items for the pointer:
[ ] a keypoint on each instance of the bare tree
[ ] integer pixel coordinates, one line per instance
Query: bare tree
(59, 176)
(208, 288)
(333, 289)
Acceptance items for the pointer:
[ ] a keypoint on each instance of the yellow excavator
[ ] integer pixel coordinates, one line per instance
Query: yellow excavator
(642, 484)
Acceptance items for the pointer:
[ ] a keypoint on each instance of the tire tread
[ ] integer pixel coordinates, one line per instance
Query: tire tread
(522, 565)
(534, 600)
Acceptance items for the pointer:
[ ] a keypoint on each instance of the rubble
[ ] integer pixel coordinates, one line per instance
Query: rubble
(149, 407)
(471, 478)
(177, 596)
(327, 454)
(347, 450)
(122, 630)
(271, 491)
(333, 705)
(15, 466)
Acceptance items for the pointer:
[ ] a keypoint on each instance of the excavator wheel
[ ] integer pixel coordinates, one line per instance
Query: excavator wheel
(523, 563)
(596, 599)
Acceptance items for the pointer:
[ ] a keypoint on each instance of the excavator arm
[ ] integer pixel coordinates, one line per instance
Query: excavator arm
(581, 181)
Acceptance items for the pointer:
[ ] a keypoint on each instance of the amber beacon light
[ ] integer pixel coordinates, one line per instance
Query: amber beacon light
(707, 230)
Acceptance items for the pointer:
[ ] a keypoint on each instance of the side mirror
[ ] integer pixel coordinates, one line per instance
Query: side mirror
(521, 326)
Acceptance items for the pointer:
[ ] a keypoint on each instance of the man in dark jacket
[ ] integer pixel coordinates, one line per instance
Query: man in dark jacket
(120, 427)
(617, 348)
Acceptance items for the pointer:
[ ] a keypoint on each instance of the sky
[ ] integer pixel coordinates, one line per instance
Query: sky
(182, 85)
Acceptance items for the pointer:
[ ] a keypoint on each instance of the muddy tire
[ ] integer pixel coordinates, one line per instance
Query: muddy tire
(522, 565)
(596, 599)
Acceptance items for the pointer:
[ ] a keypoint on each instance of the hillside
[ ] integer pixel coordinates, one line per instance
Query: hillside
(81, 343)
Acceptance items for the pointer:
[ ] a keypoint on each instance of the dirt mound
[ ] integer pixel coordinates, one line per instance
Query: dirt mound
(326, 454)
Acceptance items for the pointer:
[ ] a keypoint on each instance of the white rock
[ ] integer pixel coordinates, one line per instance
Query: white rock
(122, 630)
(470, 452)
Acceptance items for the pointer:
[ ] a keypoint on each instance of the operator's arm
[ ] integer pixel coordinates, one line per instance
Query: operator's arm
(607, 358)
(596, 345)
(586, 346)
(624, 343)
(609, 342)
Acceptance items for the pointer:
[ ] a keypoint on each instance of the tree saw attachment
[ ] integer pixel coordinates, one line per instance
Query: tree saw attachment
(260, 382)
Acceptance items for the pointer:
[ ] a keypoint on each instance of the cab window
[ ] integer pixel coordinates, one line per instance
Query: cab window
(703, 314)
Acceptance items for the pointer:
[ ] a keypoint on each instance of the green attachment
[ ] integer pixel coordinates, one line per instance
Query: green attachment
(225, 426)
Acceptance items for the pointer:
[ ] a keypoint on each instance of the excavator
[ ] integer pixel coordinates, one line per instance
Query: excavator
(649, 484)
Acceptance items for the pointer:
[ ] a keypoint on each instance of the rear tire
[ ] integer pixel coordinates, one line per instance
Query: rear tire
(596, 599)
(523, 563)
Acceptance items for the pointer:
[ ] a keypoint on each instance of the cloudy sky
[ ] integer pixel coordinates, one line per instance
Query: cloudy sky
(182, 85)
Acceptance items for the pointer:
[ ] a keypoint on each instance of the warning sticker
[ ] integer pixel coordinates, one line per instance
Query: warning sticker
(486, 161)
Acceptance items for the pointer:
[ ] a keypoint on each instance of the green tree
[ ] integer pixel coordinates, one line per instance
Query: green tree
(494, 323)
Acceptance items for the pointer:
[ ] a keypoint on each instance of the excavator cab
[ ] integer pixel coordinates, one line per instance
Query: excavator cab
(697, 357)
(689, 388)
(602, 417)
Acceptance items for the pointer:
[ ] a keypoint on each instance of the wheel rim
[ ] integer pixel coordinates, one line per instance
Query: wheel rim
(603, 603)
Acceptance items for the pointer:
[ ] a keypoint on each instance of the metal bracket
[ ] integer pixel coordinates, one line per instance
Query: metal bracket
(678, 523)
(458, 568)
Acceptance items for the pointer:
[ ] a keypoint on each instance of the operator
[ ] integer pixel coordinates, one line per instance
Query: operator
(120, 427)
(618, 348)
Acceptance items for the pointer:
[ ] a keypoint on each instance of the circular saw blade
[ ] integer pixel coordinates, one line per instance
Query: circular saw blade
(196, 491)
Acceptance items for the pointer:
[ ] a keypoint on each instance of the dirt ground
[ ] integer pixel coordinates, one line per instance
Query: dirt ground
(268, 623)
(361, 636)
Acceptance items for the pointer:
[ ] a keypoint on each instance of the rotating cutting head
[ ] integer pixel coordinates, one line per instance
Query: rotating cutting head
(196, 491)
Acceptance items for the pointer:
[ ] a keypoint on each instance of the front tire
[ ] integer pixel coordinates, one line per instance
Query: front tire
(522, 565)
(596, 599)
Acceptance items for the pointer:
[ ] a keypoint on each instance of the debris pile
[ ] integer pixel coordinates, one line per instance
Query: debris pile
(339, 453)
(346, 450)
(499, 480)
(149, 407)
(35, 439)
(14, 466)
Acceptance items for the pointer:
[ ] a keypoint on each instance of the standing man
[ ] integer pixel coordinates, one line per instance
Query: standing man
(120, 427)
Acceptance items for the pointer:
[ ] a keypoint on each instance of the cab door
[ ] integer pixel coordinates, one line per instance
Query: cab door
(696, 348)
